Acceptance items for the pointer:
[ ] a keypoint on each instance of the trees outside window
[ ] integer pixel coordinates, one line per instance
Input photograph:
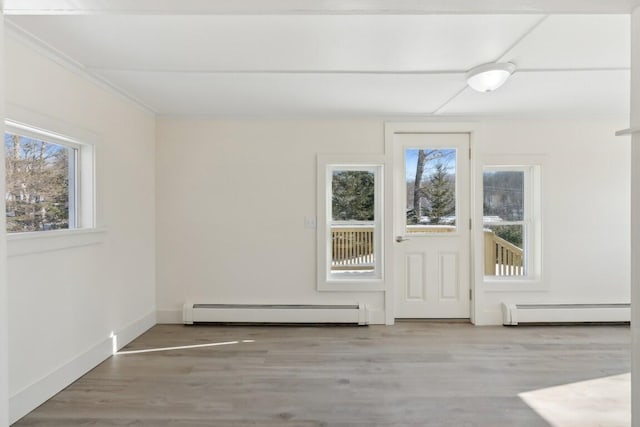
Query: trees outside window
(510, 215)
(353, 195)
(431, 183)
(39, 191)
(440, 195)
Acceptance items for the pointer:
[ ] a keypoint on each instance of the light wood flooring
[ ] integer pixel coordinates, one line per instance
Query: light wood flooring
(410, 374)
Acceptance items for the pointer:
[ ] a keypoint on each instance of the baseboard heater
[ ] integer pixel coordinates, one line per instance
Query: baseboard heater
(514, 314)
(274, 313)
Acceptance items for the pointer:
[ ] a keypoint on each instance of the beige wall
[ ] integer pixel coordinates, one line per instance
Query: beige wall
(231, 202)
(232, 197)
(585, 205)
(64, 304)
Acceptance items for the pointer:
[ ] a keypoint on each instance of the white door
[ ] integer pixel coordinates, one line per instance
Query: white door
(431, 225)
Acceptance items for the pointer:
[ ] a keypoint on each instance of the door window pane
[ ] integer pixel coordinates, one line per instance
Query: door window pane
(430, 175)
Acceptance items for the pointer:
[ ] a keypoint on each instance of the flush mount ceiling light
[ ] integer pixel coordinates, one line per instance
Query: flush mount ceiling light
(489, 77)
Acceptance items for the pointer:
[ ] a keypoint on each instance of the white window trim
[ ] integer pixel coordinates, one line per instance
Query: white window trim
(19, 244)
(533, 166)
(31, 124)
(325, 166)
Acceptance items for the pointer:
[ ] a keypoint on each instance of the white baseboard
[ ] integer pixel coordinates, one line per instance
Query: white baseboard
(635, 371)
(488, 318)
(513, 314)
(376, 317)
(26, 400)
(169, 316)
(136, 328)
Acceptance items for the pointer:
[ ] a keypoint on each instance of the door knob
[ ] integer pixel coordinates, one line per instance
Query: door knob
(401, 239)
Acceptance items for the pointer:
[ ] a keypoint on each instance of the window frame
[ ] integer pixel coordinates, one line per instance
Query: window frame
(74, 204)
(33, 125)
(326, 280)
(531, 223)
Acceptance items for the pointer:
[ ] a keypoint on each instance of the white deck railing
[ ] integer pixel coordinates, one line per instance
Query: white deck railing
(352, 247)
(501, 258)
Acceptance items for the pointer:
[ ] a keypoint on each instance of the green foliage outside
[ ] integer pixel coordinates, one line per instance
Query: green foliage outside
(510, 233)
(440, 195)
(353, 196)
(430, 185)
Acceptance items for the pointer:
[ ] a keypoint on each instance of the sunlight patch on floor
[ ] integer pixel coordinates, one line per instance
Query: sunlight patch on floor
(603, 402)
(183, 347)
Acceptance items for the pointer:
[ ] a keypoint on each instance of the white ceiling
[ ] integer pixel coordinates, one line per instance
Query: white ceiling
(349, 64)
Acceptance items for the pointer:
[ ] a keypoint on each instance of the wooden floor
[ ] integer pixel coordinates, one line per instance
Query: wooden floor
(410, 374)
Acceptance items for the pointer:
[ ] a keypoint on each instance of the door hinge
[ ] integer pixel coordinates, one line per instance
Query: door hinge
(469, 153)
(470, 294)
(469, 223)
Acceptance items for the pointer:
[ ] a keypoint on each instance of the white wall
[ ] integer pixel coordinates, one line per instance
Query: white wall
(64, 304)
(232, 196)
(231, 202)
(585, 205)
(635, 213)
(4, 352)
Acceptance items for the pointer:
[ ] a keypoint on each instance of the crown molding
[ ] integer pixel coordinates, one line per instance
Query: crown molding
(17, 33)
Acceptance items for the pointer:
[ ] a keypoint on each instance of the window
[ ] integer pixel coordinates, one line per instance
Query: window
(510, 220)
(350, 226)
(43, 173)
(353, 222)
(431, 190)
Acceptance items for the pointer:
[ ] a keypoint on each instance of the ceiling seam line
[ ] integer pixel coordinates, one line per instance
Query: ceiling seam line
(509, 49)
(455, 95)
(343, 72)
(267, 71)
(571, 70)
(521, 38)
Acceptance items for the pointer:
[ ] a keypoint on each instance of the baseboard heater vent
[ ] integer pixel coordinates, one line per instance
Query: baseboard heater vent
(514, 314)
(274, 313)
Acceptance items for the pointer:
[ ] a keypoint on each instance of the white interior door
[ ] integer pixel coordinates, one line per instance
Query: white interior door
(431, 225)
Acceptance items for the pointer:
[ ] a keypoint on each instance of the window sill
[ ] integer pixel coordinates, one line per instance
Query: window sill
(20, 244)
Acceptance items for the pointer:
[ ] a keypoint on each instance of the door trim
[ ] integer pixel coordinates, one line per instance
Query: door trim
(390, 130)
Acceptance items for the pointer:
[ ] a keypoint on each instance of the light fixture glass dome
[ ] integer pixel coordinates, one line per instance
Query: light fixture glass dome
(489, 77)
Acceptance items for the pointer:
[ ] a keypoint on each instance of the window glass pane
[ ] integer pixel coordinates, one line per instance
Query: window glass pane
(503, 196)
(503, 253)
(352, 248)
(353, 196)
(431, 190)
(37, 180)
(353, 222)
